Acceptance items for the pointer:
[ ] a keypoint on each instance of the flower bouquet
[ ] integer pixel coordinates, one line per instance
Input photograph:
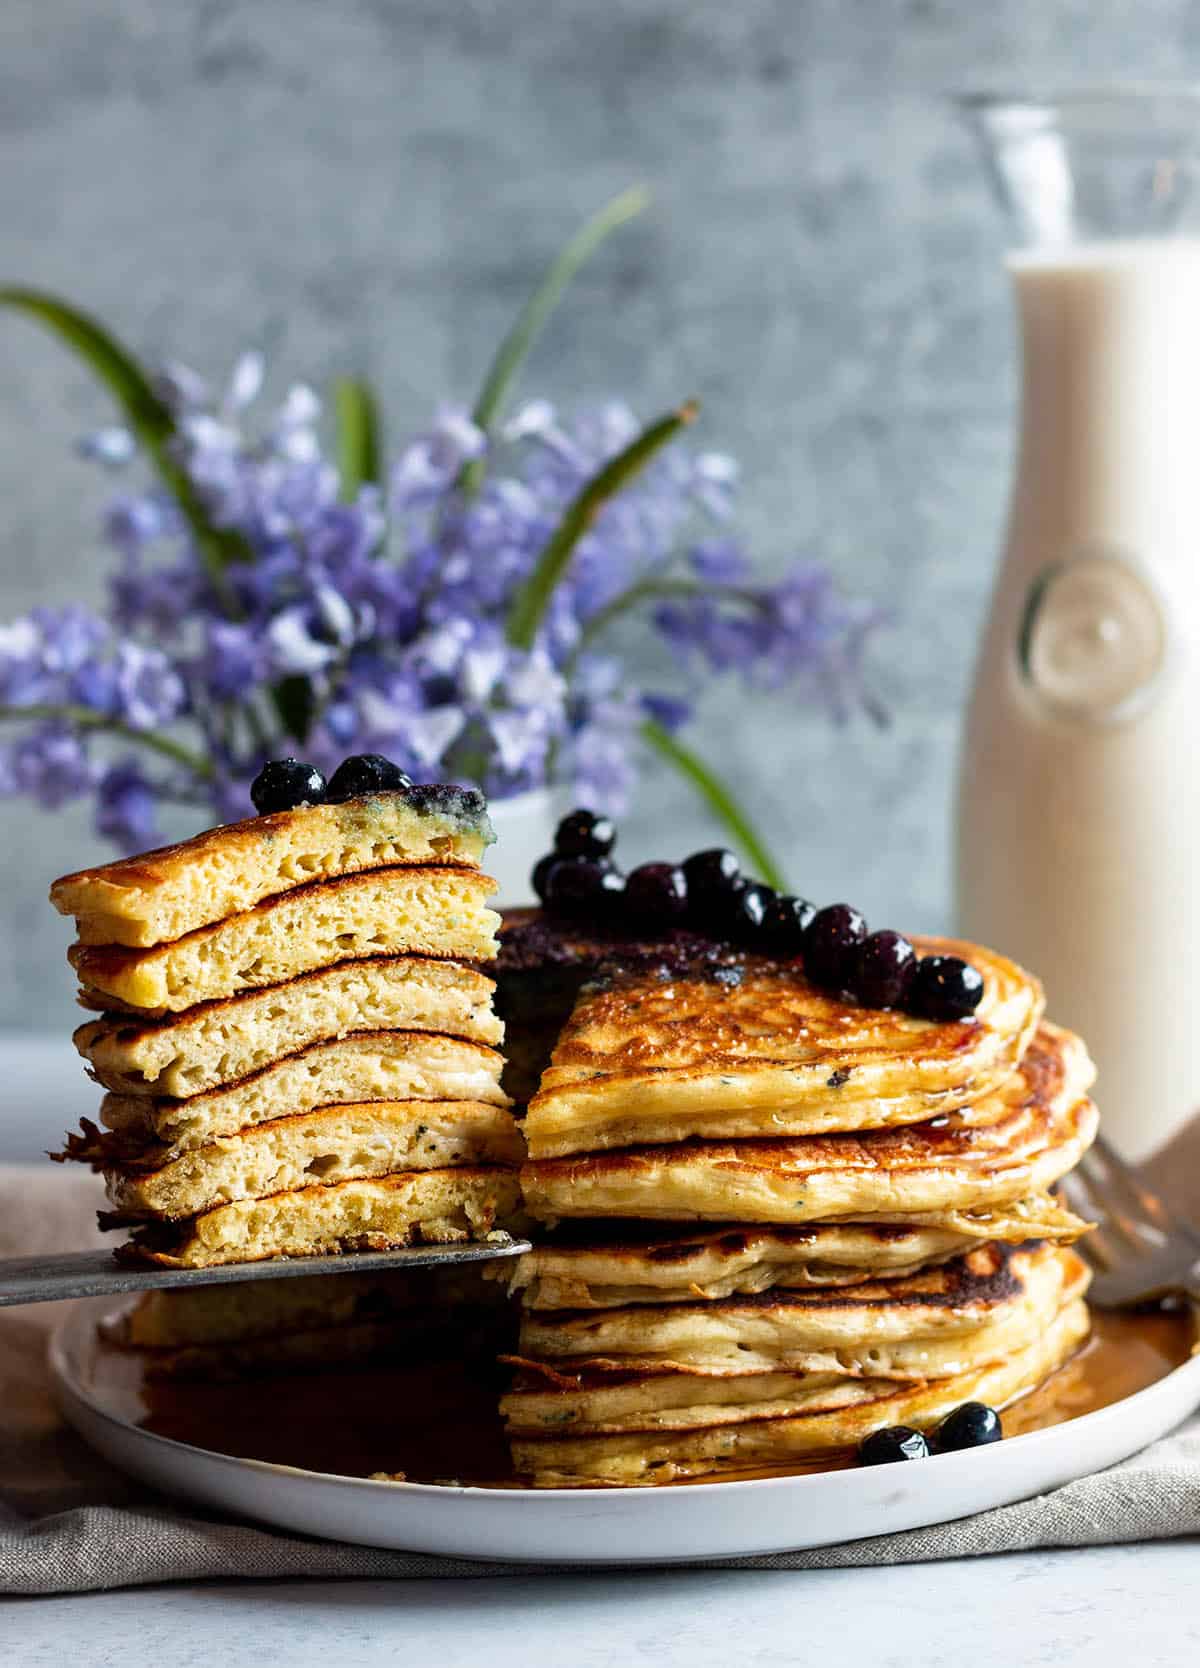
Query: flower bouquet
(456, 606)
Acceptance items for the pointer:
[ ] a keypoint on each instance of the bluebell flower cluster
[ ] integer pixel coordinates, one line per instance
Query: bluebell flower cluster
(389, 612)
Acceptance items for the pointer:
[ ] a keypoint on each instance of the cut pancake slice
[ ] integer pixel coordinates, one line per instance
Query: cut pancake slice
(582, 1267)
(1021, 1140)
(420, 911)
(927, 1325)
(224, 1042)
(334, 1144)
(375, 1065)
(662, 1054)
(645, 1452)
(436, 1207)
(313, 1323)
(162, 895)
(252, 1309)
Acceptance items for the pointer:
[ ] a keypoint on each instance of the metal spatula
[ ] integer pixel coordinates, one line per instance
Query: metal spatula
(43, 1279)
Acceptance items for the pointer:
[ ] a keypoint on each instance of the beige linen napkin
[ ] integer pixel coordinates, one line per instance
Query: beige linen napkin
(70, 1523)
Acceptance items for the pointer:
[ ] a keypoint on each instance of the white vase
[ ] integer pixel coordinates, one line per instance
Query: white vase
(524, 828)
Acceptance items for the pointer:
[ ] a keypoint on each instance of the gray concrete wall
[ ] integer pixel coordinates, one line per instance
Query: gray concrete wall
(376, 184)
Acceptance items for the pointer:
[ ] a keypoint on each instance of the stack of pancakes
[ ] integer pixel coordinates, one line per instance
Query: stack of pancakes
(297, 1042)
(778, 1220)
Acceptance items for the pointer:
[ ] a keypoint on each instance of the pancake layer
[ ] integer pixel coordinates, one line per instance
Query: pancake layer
(162, 895)
(421, 911)
(425, 1206)
(640, 1264)
(664, 1053)
(1019, 1141)
(224, 1042)
(375, 1065)
(334, 1144)
(654, 1455)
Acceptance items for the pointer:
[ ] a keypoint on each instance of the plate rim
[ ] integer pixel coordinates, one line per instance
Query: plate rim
(83, 1316)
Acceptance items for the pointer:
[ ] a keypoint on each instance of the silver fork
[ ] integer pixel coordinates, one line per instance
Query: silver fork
(1139, 1248)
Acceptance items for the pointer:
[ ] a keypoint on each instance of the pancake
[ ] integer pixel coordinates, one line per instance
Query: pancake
(674, 1051)
(374, 1065)
(251, 1309)
(421, 911)
(653, 1454)
(1019, 1140)
(314, 1323)
(224, 1042)
(939, 1321)
(435, 1207)
(164, 894)
(639, 1264)
(331, 1145)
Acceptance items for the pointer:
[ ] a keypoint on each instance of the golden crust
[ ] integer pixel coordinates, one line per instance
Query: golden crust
(433, 1207)
(164, 894)
(331, 1145)
(226, 1041)
(1019, 1141)
(646, 1059)
(925, 1325)
(421, 911)
(373, 1065)
(645, 1457)
(673, 1265)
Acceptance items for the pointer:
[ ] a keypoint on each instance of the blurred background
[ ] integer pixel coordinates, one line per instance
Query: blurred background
(376, 186)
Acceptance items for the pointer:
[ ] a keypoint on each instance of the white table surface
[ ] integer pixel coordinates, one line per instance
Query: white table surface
(1119, 1606)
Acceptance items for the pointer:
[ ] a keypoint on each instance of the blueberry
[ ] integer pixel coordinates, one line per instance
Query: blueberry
(945, 987)
(282, 784)
(747, 913)
(584, 834)
(897, 1442)
(577, 885)
(713, 877)
(365, 773)
(970, 1426)
(831, 944)
(540, 871)
(786, 922)
(657, 894)
(884, 970)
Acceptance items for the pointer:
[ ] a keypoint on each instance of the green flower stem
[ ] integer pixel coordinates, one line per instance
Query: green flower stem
(359, 436)
(515, 347)
(86, 719)
(716, 796)
(531, 601)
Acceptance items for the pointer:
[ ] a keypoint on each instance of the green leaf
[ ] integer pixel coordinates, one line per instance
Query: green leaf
(359, 443)
(531, 601)
(515, 347)
(148, 416)
(717, 797)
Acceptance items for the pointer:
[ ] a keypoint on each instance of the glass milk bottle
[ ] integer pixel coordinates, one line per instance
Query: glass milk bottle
(1078, 841)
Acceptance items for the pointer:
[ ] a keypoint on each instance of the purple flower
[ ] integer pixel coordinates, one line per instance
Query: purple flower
(127, 807)
(50, 764)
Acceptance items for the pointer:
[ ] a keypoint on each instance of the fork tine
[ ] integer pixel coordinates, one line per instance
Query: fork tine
(1118, 1183)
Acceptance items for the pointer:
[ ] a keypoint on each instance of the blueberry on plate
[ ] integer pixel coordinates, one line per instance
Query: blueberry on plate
(576, 885)
(656, 894)
(365, 773)
(584, 834)
(787, 920)
(282, 784)
(713, 878)
(946, 987)
(972, 1425)
(831, 943)
(884, 970)
(896, 1442)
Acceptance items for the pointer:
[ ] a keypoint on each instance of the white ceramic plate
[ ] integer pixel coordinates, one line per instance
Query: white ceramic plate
(617, 1526)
